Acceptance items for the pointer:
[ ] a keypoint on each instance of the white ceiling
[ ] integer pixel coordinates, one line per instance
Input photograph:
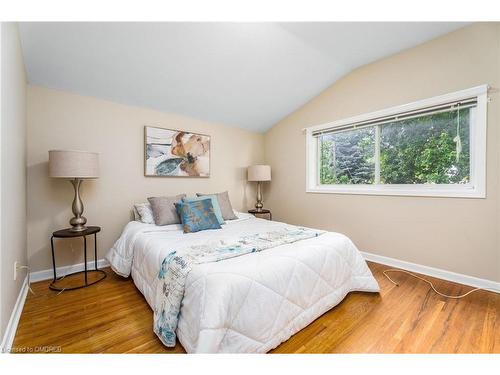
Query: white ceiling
(248, 75)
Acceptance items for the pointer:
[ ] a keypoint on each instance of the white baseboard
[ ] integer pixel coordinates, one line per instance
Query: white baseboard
(10, 330)
(435, 272)
(61, 271)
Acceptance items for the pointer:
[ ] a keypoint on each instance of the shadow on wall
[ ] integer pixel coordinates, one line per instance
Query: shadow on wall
(68, 251)
(242, 172)
(58, 193)
(51, 214)
(250, 190)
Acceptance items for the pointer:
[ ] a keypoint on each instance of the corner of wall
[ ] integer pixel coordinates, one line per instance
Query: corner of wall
(13, 235)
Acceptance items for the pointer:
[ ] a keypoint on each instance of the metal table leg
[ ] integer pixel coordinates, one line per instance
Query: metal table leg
(86, 270)
(53, 258)
(85, 256)
(95, 250)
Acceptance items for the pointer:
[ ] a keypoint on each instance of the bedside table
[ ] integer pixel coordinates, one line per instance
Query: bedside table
(255, 213)
(68, 233)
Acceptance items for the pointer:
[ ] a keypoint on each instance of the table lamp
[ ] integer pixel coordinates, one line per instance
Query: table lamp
(76, 166)
(259, 173)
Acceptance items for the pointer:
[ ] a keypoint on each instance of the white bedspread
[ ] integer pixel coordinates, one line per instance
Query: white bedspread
(250, 303)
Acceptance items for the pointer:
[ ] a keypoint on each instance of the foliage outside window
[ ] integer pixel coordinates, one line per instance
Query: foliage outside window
(431, 149)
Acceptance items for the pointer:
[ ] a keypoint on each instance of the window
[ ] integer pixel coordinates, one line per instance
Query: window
(435, 147)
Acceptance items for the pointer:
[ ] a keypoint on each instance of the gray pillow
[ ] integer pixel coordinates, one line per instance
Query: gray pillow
(164, 211)
(224, 203)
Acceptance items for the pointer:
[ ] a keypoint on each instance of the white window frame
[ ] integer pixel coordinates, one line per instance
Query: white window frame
(476, 188)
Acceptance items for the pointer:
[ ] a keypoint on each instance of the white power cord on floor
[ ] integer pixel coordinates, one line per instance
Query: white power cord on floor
(29, 281)
(430, 283)
(63, 289)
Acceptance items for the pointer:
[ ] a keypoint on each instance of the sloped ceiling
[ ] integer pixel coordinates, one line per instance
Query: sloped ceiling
(248, 75)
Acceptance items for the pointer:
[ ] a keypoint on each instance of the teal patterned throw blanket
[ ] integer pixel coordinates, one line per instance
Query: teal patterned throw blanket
(176, 266)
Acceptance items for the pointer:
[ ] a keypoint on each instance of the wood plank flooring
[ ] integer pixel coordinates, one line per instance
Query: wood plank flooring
(113, 317)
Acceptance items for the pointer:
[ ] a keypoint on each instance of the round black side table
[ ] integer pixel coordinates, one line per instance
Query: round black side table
(68, 233)
(264, 211)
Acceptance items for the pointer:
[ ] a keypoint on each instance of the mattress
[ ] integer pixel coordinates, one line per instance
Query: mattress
(250, 303)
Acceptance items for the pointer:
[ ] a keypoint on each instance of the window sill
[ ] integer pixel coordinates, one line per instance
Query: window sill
(401, 190)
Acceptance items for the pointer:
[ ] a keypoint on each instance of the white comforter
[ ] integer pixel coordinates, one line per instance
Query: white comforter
(250, 303)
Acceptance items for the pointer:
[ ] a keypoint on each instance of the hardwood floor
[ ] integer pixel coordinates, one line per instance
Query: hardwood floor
(113, 317)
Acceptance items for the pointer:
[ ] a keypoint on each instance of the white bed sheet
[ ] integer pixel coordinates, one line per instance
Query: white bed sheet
(250, 303)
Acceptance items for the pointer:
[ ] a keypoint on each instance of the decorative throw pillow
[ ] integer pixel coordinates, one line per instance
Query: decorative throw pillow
(224, 203)
(144, 213)
(136, 214)
(215, 204)
(197, 216)
(164, 212)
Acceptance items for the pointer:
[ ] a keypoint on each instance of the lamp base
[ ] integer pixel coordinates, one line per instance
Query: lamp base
(259, 205)
(77, 228)
(78, 221)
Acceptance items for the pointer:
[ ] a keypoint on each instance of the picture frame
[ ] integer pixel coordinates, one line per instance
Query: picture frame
(176, 153)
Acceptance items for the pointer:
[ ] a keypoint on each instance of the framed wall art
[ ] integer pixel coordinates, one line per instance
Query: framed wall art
(175, 153)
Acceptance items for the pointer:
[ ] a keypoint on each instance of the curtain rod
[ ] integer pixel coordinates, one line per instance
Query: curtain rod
(395, 118)
(490, 90)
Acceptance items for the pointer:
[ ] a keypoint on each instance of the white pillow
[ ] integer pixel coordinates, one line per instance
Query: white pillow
(144, 212)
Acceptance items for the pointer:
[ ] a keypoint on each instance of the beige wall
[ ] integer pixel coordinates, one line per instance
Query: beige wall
(459, 235)
(60, 120)
(13, 169)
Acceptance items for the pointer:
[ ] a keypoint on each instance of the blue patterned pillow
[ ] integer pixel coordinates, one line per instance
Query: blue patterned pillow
(198, 215)
(215, 204)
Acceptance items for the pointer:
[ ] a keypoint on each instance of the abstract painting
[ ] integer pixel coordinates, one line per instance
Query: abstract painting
(176, 153)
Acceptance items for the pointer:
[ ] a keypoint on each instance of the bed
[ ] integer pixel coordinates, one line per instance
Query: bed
(249, 303)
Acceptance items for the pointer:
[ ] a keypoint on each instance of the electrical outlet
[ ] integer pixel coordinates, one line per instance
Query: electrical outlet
(15, 270)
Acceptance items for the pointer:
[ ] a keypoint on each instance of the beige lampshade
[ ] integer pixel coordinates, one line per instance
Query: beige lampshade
(73, 164)
(259, 173)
